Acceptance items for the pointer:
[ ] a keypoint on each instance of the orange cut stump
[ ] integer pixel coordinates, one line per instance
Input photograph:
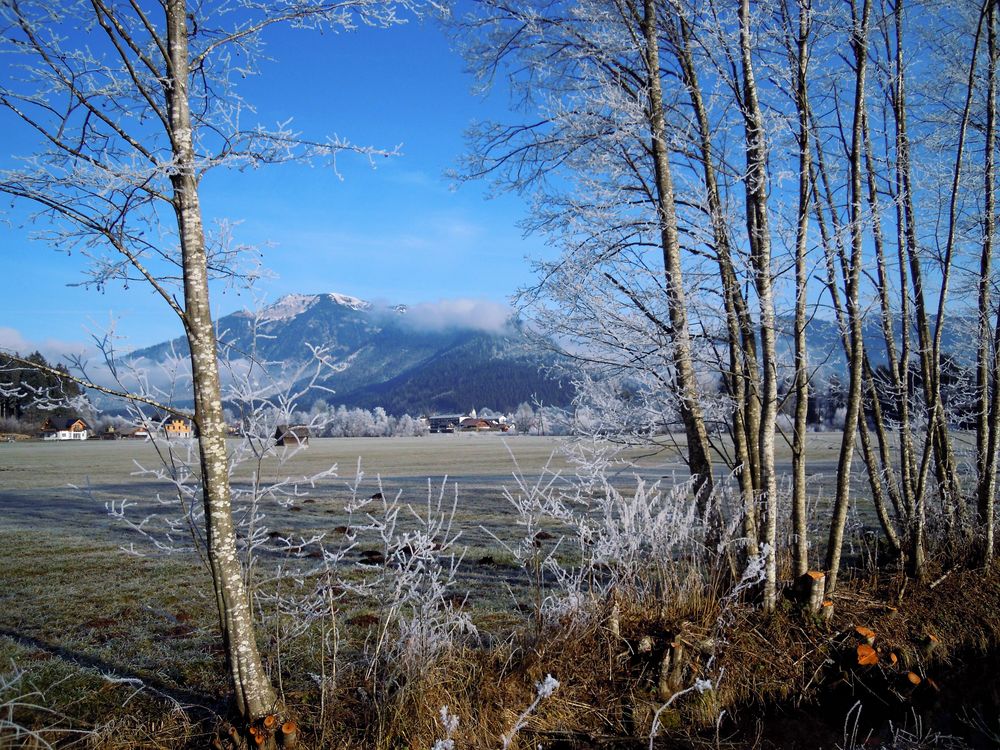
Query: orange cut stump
(866, 655)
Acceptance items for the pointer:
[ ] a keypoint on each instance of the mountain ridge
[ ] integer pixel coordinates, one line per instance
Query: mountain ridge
(379, 356)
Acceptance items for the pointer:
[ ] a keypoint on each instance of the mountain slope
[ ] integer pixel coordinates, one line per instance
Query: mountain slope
(381, 357)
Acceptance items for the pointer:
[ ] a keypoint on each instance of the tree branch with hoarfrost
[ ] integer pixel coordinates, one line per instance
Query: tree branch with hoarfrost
(128, 109)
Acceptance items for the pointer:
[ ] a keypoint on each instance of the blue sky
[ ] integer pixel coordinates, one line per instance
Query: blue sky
(399, 232)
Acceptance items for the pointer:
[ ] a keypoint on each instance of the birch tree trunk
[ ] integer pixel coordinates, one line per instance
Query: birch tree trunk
(759, 237)
(852, 304)
(698, 446)
(799, 522)
(254, 694)
(986, 372)
(743, 380)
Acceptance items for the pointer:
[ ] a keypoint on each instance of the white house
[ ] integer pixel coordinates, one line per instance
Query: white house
(65, 428)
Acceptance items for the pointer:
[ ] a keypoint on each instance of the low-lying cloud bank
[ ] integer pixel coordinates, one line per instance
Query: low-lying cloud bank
(446, 314)
(54, 350)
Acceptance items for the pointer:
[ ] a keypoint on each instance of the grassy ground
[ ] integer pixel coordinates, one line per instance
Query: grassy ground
(127, 646)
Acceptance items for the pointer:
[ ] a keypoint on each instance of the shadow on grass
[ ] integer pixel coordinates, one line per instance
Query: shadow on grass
(197, 705)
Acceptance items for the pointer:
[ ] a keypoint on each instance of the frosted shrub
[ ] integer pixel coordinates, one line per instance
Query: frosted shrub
(449, 722)
(607, 537)
(412, 587)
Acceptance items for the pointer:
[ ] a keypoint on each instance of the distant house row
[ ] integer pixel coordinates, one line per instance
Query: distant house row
(77, 428)
(172, 428)
(467, 423)
(178, 428)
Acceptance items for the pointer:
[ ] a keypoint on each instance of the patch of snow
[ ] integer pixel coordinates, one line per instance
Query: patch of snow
(288, 307)
(339, 367)
(348, 301)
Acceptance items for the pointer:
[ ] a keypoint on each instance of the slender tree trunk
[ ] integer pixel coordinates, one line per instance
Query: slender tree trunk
(253, 692)
(946, 469)
(800, 527)
(987, 504)
(759, 237)
(744, 384)
(881, 464)
(906, 252)
(854, 312)
(901, 491)
(986, 423)
(698, 446)
(834, 251)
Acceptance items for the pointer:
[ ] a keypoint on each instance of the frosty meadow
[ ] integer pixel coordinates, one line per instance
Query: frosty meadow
(697, 565)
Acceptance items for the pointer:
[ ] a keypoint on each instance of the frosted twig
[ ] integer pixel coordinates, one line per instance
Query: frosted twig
(543, 690)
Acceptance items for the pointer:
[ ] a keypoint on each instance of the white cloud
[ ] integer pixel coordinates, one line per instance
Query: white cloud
(11, 340)
(476, 314)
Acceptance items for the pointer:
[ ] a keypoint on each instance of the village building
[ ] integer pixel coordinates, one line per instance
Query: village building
(467, 423)
(445, 422)
(289, 435)
(65, 428)
(178, 428)
(472, 424)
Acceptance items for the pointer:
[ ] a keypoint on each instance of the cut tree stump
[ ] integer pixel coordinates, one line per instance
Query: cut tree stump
(289, 735)
(866, 655)
(865, 635)
(671, 670)
(234, 736)
(809, 589)
(826, 610)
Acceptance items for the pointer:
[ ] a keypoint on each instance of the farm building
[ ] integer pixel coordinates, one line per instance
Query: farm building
(65, 428)
(291, 435)
(445, 422)
(478, 424)
(472, 424)
(143, 432)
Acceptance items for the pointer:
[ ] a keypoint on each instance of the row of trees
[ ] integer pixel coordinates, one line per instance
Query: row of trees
(27, 389)
(343, 422)
(708, 168)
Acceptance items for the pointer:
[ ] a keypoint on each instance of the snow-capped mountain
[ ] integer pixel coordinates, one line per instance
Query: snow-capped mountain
(292, 305)
(386, 355)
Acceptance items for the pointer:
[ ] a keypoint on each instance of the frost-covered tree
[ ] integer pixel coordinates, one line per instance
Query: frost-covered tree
(130, 105)
(716, 174)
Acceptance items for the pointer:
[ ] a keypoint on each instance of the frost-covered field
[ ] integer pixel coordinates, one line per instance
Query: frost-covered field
(52, 485)
(78, 614)
(61, 491)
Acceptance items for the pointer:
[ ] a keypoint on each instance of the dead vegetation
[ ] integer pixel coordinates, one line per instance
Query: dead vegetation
(890, 647)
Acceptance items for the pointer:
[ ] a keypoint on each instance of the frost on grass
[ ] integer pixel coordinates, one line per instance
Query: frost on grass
(588, 533)
(17, 702)
(449, 723)
(543, 690)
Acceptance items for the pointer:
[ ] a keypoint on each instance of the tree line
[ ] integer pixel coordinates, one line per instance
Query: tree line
(711, 169)
(30, 395)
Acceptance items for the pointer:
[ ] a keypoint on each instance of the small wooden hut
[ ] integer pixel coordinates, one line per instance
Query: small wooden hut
(291, 435)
